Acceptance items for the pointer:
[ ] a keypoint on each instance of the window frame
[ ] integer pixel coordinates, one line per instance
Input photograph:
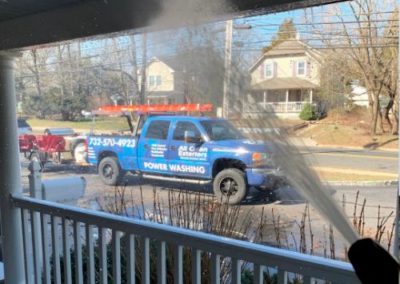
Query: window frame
(152, 80)
(298, 68)
(265, 69)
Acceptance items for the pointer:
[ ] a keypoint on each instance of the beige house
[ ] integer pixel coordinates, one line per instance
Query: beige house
(284, 79)
(164, 82)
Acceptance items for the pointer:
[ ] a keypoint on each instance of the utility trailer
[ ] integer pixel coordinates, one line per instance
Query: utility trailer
(64, 146)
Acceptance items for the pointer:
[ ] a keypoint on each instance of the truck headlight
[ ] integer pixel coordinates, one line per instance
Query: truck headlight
(259, 158)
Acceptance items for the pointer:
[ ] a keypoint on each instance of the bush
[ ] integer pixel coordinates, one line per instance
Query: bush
(308, 112)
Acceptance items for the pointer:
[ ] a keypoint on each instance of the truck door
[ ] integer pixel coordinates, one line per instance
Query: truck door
(152, 147)
(188, 156)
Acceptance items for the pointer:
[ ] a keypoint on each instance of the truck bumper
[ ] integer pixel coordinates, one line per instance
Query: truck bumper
(265, 178)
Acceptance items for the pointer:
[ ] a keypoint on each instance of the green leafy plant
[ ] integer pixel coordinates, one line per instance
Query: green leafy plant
(308, 112)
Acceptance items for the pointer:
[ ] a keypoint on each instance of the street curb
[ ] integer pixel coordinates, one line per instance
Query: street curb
(362, 183)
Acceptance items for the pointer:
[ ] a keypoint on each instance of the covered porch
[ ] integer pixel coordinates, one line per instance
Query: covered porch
(279, 96)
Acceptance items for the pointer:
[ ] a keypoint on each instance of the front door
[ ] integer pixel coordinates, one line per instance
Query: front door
(188, 158)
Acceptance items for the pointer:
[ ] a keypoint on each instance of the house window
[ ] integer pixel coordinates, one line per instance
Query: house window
(154, 80)
(268, 70)
(301, 68)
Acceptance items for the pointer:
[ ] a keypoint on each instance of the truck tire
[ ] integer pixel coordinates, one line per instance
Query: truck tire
(230, 186)
(109, 171)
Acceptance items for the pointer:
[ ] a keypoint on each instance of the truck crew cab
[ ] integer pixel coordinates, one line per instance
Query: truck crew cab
(186, 149)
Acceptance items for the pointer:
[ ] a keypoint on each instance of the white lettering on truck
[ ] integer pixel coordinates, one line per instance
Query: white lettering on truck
(175, 168)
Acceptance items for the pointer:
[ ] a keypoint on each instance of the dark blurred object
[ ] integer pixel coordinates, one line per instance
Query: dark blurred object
(372, 263)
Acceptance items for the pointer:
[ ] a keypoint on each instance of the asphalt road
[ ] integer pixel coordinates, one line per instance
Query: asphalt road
(377, 161)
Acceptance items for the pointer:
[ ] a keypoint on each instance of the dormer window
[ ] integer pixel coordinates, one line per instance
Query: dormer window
(268, 70)
(301, 68)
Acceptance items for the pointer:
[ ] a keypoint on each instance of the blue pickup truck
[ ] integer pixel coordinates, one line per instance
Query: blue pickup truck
(186, 149)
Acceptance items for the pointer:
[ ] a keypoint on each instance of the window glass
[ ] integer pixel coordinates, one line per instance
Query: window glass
(301, 68)
(218, 130)
(268, 70)
(181, 127)
(158, 79)
(158, 129)
(151, 81)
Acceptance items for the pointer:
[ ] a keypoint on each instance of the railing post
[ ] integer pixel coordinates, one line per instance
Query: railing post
(35, 180)
(10, 174)
(35, 190)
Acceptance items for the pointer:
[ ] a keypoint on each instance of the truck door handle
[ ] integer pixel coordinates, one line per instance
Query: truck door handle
(146, 146)
(173, 148)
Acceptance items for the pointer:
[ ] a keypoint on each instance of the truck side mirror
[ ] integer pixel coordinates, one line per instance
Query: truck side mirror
(190, 137)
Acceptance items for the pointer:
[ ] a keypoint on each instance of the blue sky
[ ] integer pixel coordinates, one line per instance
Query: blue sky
(247, 44)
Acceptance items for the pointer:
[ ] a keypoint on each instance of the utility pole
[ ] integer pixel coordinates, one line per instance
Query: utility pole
(396, 245)
(227, 75)
(143, 71)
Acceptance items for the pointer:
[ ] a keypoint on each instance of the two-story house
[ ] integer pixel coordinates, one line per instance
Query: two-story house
(164, 82)
(283, 79)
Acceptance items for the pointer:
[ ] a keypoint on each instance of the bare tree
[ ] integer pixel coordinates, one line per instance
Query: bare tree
(367, 38)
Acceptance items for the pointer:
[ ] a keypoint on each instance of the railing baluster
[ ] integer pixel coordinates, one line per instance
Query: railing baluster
(146, 261)
(282, 276)
(196, 266)
(178, 265)
(103, 256)
(78, 253)
(45, 247)
(35, 224)
(161, 263)
(116, 252)
(27, 246)
(56, 250)
(258, 274)
(90, 254)
(131, 263)
(236, 271)
(215, 268)
(67, 252)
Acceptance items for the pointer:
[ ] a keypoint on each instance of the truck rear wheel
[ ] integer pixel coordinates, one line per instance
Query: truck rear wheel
(109, 170)
(230, 186)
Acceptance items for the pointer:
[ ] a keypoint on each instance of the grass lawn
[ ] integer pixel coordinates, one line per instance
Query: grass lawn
(101, 124)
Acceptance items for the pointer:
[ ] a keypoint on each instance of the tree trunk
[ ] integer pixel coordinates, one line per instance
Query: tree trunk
(386, 115)
(395, 128)
(375, 114)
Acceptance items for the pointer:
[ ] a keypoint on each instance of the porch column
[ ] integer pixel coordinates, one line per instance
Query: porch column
(264, 99)
(311, 94)
(287, 100)
(10, 174)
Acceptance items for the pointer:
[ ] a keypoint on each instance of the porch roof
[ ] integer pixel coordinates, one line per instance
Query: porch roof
(25, 23)
(284, 83)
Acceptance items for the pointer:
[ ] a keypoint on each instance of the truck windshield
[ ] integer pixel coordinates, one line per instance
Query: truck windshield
(218, 130)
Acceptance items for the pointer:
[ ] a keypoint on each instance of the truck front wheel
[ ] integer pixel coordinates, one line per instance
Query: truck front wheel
(230, 186)
(110, 171)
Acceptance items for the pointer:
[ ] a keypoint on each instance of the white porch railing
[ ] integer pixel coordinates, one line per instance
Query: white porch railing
(64, 227)
(275, 107)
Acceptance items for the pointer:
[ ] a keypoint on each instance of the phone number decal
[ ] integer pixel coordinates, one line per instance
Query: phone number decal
(120, 142)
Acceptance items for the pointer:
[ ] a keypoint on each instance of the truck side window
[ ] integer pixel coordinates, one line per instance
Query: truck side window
(181, 127)
(158, 129)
